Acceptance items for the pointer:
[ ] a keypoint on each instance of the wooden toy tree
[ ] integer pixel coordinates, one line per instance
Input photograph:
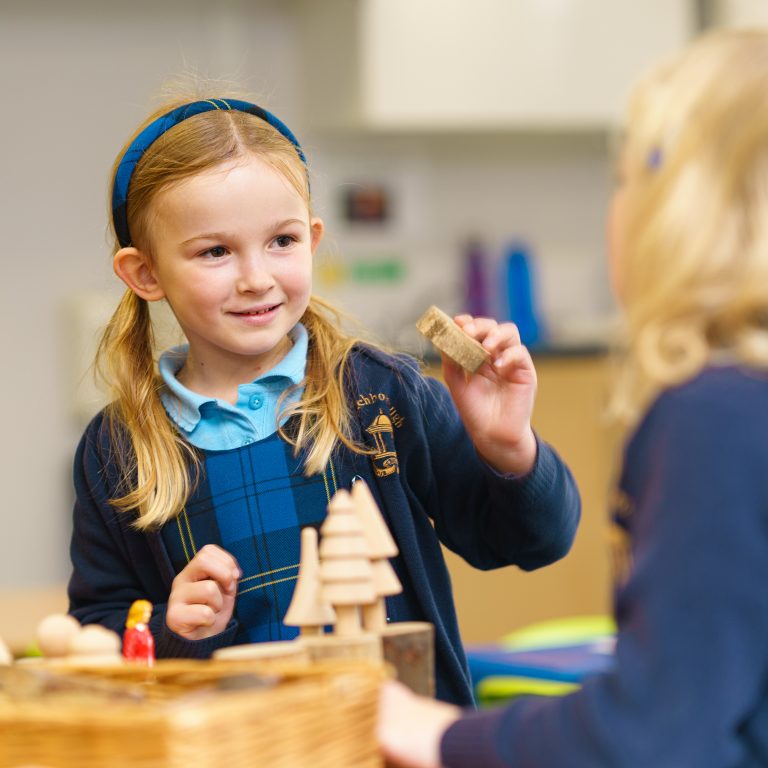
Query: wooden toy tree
(307, 609)
(346, 574)
(381, 547)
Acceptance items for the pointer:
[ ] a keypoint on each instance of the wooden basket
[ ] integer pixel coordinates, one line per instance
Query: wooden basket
(192, 714)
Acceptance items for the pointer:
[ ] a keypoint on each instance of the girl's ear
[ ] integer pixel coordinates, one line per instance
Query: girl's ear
(135, 270)
(317, 228)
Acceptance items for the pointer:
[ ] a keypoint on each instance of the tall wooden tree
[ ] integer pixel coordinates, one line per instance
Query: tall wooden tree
(381, 547)
(346, 574)
(307, 610)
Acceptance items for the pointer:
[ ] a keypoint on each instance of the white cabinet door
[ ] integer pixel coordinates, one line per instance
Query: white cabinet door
(466, 64)
(739, 13)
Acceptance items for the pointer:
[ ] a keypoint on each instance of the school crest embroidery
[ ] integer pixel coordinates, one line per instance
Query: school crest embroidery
(385, 458)
(382, 418)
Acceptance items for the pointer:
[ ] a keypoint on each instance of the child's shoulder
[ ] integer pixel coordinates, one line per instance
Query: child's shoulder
(395, 374)
(376, 361)
(721, 399)
(725, 389)
(104, 434)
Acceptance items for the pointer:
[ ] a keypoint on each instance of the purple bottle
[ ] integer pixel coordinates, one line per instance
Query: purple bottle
(476, 287)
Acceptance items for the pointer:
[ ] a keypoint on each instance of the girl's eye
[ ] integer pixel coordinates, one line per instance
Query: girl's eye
(216, 252)
(284, 241)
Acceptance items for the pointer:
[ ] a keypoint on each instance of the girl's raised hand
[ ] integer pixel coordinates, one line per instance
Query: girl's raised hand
(203, 594)
(496, 402)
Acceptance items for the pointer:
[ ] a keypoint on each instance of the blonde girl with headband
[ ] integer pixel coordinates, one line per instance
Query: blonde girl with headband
(689, 252)
(193, 484)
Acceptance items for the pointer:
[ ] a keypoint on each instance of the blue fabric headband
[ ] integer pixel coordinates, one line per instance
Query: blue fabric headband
(156, 129)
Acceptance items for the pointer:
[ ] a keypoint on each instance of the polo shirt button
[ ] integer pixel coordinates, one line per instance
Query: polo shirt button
(255, 402)
(247, 441)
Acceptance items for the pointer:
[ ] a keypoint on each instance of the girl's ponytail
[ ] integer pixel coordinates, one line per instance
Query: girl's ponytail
(326, 415)
(155, 472)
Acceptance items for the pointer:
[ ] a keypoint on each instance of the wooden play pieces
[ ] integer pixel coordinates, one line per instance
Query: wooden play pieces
(344, 583)
(451, 340)
(307, 610)
(6, 657)
(60, 637)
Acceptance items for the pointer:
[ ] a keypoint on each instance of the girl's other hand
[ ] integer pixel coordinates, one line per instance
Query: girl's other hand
(410, 727)
(203, 594)
(496, 402)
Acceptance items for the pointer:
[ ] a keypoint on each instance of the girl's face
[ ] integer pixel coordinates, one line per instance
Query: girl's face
(232, 254)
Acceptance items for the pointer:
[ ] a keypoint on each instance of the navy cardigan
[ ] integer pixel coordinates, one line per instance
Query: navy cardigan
(425, 476)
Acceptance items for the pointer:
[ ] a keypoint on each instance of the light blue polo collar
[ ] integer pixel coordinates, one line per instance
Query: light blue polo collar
(183, 405)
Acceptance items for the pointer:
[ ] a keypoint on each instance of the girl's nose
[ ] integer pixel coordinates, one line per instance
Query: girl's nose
(253, 275)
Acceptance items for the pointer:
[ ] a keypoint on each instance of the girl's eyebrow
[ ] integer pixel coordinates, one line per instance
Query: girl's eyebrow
(223, 236)
(204, 236)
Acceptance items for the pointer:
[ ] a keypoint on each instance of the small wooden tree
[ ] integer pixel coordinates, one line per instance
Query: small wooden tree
(307, 610)
(381, 546)
(346, 575)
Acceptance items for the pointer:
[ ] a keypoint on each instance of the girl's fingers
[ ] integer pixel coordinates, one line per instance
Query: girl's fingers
(515, 358)
(501, 337)
(214, 563)
(195, 616)
(476, 327)
(488, 332)
(205, 592)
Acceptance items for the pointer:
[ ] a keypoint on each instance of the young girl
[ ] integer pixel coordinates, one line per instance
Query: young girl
(193, 485)
(689, 247)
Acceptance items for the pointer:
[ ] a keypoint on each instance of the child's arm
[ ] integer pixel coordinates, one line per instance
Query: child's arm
(496, 403)
(497, 494)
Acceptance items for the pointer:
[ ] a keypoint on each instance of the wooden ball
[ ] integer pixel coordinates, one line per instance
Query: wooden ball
(6, 657)
(54, 634)
(95, 640)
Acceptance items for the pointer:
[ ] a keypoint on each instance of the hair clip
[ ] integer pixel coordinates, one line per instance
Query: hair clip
(655, 156)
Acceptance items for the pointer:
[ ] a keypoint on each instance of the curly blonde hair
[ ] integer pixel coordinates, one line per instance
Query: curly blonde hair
(693, 256)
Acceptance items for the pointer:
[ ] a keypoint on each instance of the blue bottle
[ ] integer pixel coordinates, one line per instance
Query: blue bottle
(519, 285)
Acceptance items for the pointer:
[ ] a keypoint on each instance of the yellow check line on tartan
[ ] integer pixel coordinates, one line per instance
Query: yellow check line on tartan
(268, 583)
(333, 480)
(181, 534)
(269, 573)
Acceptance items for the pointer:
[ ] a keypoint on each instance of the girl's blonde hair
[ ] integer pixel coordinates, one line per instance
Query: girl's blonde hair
(160, 471)
(694, 254)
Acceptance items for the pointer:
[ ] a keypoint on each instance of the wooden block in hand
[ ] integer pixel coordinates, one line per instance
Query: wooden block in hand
(443, 332)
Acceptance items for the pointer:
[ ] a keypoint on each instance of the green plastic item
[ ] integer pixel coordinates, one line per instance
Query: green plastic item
(378, 271)
(495, 690)
(571, 630)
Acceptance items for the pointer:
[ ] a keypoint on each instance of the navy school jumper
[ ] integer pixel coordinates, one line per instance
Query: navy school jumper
(690, 684)
(425, 475)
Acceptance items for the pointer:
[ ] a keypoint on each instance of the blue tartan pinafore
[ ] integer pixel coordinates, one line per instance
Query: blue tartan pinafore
(253, 501)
